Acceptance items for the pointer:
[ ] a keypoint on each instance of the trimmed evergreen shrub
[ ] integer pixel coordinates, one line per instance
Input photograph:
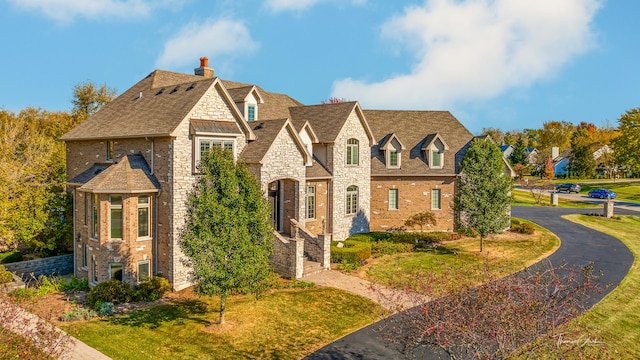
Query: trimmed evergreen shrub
(523, 228)
(361, 237)
(352, 252)
(114, 291)
(379, 248)
(152, 289)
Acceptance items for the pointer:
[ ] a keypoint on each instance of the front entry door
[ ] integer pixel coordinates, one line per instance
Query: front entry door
(274, 200)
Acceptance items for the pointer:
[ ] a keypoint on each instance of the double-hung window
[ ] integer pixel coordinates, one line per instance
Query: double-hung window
(393, 199)
(109, 150)
(115, 217)
(393, 158)
(352, 200)
(352, 151)
(144, 218)
(95, 216)
(85, 255)
(435, 199)
(94, 271)
(251, 112)
(311, 202)
(143, 270)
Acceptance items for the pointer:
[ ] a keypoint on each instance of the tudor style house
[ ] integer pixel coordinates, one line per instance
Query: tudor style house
(328, 171)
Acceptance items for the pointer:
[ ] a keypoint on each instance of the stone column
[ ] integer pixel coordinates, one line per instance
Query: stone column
(554, 199)
(608, 208)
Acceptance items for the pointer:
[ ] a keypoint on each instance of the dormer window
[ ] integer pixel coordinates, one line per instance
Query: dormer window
(251, 112)
(392, 148)
(434, 150)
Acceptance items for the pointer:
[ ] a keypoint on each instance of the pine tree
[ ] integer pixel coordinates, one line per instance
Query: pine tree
(227, 238)
(518, 155)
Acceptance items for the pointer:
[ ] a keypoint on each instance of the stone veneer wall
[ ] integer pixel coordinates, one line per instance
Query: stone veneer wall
(414, 195)
(211, 106)
(347, 175)
(284, 161)
(55, 265)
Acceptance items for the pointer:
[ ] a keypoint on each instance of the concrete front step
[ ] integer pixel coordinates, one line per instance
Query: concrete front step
(311, 267)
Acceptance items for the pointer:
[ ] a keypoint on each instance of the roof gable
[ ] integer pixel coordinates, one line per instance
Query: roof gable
(129, 175)
(266, 133)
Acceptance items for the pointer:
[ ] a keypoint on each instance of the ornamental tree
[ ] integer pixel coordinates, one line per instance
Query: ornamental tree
(227, 238)
(483, 199)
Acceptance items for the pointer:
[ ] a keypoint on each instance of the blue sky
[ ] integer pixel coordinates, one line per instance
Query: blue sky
(510, 64)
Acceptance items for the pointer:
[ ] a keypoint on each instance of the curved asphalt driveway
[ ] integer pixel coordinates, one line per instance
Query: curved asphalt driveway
(580, 246)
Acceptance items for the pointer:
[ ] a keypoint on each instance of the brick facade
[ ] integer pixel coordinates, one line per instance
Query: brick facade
(414, 195)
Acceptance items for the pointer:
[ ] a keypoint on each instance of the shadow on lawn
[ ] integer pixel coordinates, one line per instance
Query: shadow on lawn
(177, 311)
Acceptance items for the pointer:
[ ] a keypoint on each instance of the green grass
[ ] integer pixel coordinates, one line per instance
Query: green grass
(505, 255)
(280, 325)
(524, 198)
(615, 320)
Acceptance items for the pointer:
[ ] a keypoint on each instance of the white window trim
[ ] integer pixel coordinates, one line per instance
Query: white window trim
(148, 263)
(199, 138)
(355, 145)
(255, 111)
(314, 202)
(149, 217)
(95, 203)
(116, 207)
(441, 155)
(388, 159)
(397, 198)
(353, 196)
(439, 191)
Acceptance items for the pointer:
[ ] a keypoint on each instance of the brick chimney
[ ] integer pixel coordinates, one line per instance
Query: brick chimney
(204, 69)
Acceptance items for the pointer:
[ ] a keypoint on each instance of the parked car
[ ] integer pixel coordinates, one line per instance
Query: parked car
(602, 194)
(568, 188)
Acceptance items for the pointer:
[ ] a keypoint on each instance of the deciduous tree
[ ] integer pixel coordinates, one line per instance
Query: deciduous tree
(227, 238)
(581, 161)
(483, 199)
(626, 145)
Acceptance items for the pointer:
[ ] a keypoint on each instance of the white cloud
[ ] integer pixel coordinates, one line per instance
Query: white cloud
(67, 10)
(299, 5)
(476, 49)
(212, 38)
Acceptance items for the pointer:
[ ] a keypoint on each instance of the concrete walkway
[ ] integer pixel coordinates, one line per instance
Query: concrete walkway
(579, 246)
(391, 299)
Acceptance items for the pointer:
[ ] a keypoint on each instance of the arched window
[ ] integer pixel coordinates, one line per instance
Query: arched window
(352, 151)
(352, 200)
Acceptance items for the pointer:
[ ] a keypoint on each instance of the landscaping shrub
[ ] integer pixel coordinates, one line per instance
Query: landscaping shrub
(76, 284)
(380, 236)
(10, 256)
(48, 285)
(361, 237)
(380, 248)
(79, 313)
(114, 291)
(5, 275)
(523, 228)
(152, 289)
(106, 309)
(352, 252)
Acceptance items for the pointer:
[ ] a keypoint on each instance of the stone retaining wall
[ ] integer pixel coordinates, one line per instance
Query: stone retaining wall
(55, 265)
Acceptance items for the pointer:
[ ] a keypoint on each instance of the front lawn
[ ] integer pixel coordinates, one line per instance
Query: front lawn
(286, 324)
(505, 254)
(524, 198)
(627, 191)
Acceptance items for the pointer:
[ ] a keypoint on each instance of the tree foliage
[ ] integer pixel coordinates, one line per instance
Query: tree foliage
(35, 211)
(422, 219)
(496, 134)
(483, 198)
(626, 145)
(581, 161)
(518, 155)
(549, 172)
(227, 238)
(89, 98)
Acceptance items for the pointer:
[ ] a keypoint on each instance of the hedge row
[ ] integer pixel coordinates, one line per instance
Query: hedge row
(353, 251)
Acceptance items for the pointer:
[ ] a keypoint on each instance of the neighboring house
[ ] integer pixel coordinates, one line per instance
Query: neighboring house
(601, 154)
(507, 150)
(131, 165)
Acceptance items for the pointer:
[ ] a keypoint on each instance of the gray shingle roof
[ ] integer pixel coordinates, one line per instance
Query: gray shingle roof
(414, 129)
(326, 119)
(266, 132)
(214, 127)
(152, 107)
(317, 170)
(275, 106)
(130, 174)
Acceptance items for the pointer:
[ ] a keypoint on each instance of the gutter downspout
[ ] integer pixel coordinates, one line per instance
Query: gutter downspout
(73, 197)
